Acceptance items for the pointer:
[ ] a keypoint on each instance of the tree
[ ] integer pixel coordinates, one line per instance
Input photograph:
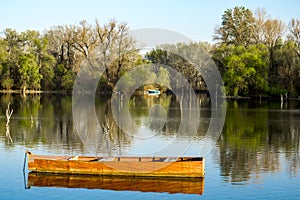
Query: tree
(294, 33)
(46, 63)
(29, 73)
(117, 50)
(3, 54)
(106, 39)
(85, 41)
(237, 27)
(261, 30)
(13, 48)
(110, 44)
(246, 70)
(61, 44)
(288, 64)
(176, 55)
(125, 47)
(260, 19)
(294, 63)
(273, 30)
(6, 80)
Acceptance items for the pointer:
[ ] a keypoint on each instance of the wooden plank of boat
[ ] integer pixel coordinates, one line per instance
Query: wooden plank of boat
(127, 166)
(117, 183)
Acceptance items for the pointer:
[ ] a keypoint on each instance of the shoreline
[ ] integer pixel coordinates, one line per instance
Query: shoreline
(34, 92)
(229, 98)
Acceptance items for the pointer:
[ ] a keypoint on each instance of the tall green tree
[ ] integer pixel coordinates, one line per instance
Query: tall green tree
(14, 50)
(246, 70)
(3, 54)
(45, 61)
(241, 28)
(29, 73)
(288, 66)
(237, 27)
(273, 31)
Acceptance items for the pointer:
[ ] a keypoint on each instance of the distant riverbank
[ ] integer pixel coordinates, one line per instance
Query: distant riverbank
(234, 98)
(34, 92)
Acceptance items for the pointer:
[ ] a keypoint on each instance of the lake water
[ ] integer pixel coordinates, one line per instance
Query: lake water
(256, 157)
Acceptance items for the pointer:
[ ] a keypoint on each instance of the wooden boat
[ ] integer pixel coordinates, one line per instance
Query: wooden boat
(118, 166)
(117, 183)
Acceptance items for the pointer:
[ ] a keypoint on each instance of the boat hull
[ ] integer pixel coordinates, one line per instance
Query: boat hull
(121, 166)
(142, 184)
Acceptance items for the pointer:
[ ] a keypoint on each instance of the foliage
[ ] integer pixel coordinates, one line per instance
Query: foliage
(29, 60)
(29, 72)
(246, 70)
(252, 53)
(237, 26)
(253, 56)
(182, 58)
(288, 66)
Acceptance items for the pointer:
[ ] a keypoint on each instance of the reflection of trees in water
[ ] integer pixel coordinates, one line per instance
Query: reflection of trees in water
(141, 109)
(253, 141)
(43, 120)
(284, 135)
(47, 121)
(115, 139)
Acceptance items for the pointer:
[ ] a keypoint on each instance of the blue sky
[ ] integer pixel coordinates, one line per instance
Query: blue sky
(194, 18)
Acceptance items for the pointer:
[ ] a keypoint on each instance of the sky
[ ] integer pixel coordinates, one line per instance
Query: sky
(196, 19)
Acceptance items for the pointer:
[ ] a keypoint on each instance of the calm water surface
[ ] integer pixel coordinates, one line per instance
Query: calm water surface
(256, 157)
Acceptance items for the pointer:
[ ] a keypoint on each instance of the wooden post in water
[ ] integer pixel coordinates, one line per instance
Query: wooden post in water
(107, 127)
(8, 116)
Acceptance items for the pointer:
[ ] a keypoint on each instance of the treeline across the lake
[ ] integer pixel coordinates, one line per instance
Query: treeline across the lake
(50, 61)
(257, 55)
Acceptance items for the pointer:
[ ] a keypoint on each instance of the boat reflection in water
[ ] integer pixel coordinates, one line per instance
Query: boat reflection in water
(176, 185)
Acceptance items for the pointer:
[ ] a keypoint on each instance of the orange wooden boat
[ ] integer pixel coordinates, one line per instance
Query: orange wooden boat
(117, 183)
(182, 167)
